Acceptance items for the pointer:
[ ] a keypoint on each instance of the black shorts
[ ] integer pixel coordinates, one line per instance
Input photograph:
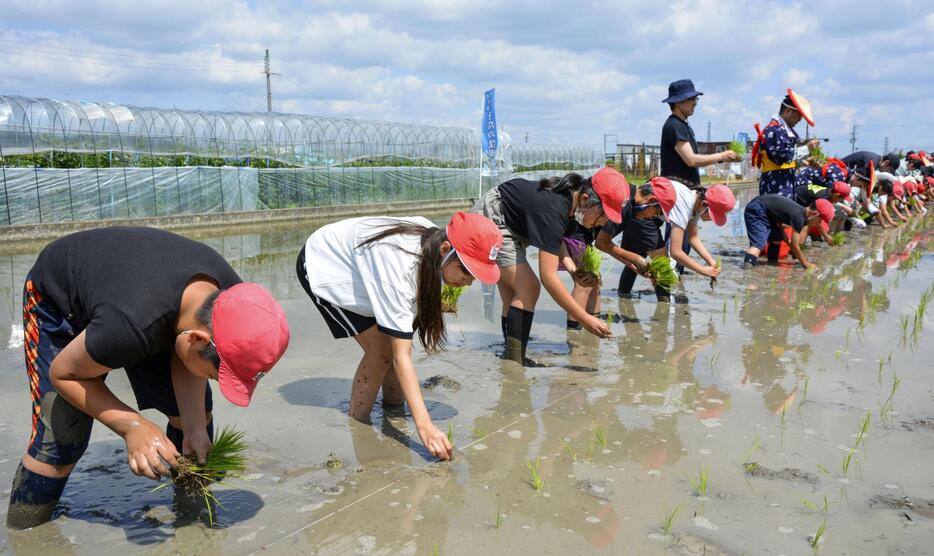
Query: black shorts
(341, 322)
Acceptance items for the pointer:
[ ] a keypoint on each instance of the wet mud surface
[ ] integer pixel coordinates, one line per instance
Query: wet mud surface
(775, 366)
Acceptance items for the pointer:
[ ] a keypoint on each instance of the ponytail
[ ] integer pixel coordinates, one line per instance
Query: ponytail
(429, 319)
(564, 185)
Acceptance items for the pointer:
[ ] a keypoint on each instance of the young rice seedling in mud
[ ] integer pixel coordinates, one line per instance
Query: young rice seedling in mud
(499, 518)
(700, 485)
(451, 432)
(886, 410)
(226, 458)
(480, 433)
(863, 429)
(599, 436)
(535, 479)
(756, 447)
(818, 537)
(845, 464)
(822, 509)
(569, 450)
(823, 469)
(670, 518)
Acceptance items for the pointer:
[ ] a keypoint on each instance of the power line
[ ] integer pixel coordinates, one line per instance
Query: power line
(72, 58)
(143, 57)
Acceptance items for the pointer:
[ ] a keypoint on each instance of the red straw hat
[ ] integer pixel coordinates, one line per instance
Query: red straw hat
(613, 190)
(250, 334)
(477, 241)
(825, 209)
(664, 193)
(720, 200)
(802, 105)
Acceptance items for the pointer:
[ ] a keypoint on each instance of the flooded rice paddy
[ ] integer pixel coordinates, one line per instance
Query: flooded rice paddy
(778, 410)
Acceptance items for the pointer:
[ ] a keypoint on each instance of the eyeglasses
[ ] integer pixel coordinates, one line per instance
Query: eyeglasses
(643, 207)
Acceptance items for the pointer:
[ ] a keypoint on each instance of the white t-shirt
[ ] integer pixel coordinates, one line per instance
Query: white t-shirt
(683, 210)
(376, 280)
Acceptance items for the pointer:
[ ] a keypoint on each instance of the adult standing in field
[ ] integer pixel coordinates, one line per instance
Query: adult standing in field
(776, 146)
(538, 213)
(679, 158)
(168, 310)
(378, 280)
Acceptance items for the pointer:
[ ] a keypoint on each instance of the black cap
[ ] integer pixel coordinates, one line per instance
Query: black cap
(894, 160)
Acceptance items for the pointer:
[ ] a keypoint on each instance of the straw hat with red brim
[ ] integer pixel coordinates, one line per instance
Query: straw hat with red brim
(720, 200)
(251, 334)
(477, 241)
(665, 194)
(802, 105)
(613, 190)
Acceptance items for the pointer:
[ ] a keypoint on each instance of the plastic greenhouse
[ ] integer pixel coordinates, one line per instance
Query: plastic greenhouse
(75, 160)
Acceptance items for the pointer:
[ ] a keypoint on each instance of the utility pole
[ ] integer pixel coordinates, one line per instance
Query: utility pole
(853, 140)
(269, 75)
(526, 136)
(708, 133)
(885, 150)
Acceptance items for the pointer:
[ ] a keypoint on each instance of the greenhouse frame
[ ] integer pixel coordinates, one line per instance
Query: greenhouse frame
(67, 160)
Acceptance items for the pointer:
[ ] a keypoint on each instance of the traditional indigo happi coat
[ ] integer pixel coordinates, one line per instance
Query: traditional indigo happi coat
(778, 159)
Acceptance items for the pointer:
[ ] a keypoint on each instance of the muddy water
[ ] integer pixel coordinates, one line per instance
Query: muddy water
(771, 368)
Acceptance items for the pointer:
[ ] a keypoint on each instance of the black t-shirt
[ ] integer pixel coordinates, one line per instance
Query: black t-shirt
(539, 215)
(674, 131)
(123, 286)
(805, 196)
(782, 210)
(860, 159)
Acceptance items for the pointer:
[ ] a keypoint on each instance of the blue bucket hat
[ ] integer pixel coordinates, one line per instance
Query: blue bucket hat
(681, 90)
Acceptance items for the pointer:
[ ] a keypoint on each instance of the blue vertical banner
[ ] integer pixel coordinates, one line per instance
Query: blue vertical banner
(490, 139)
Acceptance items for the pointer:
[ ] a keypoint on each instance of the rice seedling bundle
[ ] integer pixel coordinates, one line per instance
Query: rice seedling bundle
(818, 153)
(661, 271)
(226, 458)
(838, 238)
(449, 297)
(590, 263)
(738, 147)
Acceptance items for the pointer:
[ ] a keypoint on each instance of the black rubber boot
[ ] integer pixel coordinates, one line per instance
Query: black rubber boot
(749, 261)
(518, 329)
(772, 253)
(33, 498)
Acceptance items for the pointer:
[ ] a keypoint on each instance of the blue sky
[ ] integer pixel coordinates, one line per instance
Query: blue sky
(565, 72)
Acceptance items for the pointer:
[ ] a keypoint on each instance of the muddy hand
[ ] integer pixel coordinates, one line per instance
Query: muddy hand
(710, 271)
(596, 327)
(436, 441)
(197, 443)
(149, 449)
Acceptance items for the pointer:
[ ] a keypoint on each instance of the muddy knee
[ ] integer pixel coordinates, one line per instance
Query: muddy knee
(33, 497)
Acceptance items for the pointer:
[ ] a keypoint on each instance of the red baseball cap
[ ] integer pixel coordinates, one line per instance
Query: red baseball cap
(930, 181)
(665, 194)
(477, 241)
(898, 190)
(912, 187)
(922, 188)
(250, 334)
(922, 154)
(613, 190)
(720, 200)
(842, 189)
(825, 209)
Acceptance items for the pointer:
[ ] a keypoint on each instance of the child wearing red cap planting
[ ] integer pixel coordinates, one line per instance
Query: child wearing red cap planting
(538, 213)
(836, 195)
(682, 207)
(378, 280)
(168, 310)
(768, 216)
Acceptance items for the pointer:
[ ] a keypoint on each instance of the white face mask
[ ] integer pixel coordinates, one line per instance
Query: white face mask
(579, 215)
